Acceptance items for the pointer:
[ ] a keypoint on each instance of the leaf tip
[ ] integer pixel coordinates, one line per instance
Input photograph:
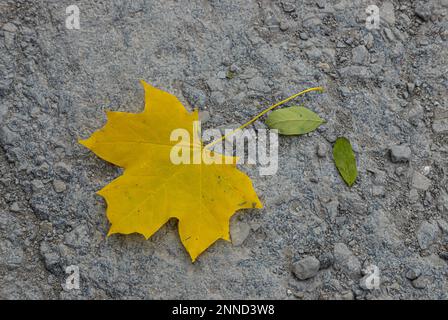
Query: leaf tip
(85, 142)
(193, 257)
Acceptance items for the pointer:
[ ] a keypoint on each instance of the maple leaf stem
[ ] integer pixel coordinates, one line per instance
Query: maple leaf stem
(320, 89)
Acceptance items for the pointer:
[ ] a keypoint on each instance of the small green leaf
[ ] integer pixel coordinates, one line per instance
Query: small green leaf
(293, 120)
(230, 74)
(345, 161)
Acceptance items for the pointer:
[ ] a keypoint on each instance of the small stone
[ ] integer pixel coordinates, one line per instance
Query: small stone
(444, 35)
(388, 13)
(306, 268)
(360, 55)
(9, 27)
(226, 61)
(331, 137)
(422, 11)
(332, 209)
(46, 228)
(59, 186)
(326, 260)
(400, 153)
(14, 207)
(63, 170)
(76, 237)
(303, 36)
(40, 210)
(258, 84)
(222, 75)
(428, 198)
(389, 34)
(442, 202)
(11, 255)
(443, 225)
(37, 185)
(368, 39)
(399, 171)
(440, 125)
(284, 25)
(272, 23)
(410, 87)
(420, 182)
(234, 68)
(217, 97)
(239, 232)
(421, 282)
(195, 97)
(413, 196)
(346, 260)
(320, 4)
(51, 257)
(356, 72)
(359, 294)
(321, 150)
(380, 177)
(347, 296)
(427, 234)
(324, 67)
(378, 191)
(311, 22)
(413, 273)
(288, 7)
(314, 53)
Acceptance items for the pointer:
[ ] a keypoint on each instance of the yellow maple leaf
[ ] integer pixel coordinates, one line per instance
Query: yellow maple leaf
(153, 189)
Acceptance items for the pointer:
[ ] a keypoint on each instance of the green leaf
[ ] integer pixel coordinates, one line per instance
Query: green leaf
(293, 120)
(345, 161)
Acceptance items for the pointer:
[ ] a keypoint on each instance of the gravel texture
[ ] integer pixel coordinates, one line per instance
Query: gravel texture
(386, 90)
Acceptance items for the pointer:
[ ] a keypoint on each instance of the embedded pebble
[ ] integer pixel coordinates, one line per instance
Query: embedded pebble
(306, 268)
